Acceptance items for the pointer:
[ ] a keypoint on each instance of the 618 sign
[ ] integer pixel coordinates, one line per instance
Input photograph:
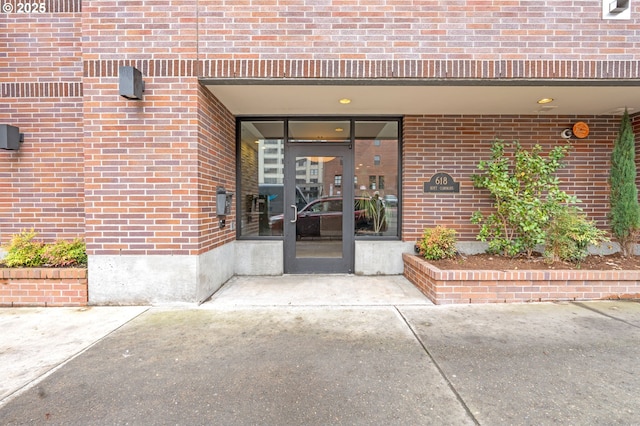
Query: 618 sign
(442, 182)
(25, 7)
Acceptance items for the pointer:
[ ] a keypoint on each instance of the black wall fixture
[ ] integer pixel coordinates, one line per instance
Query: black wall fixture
(10, 137)
(617, 6)
(130, 84)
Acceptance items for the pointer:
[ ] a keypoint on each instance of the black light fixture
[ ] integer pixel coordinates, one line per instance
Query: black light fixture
(130, 84)
(10, 137)
(618, 6)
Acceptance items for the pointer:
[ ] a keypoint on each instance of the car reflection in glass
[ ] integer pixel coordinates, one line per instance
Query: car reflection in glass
(391, 201)
(322, 218)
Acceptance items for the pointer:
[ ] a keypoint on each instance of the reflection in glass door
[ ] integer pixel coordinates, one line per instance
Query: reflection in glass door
(319, 236)
(319, 224)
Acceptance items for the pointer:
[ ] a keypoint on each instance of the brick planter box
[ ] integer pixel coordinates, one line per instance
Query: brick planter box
(43, 287)
(473, 286)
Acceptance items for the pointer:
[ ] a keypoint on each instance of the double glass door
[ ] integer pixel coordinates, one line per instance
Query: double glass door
(318, 224)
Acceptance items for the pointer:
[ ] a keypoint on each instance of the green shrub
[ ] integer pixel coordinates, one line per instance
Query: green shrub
(569, 234)
(525, 193)
(23, 250)
(65, 253)
(625, 210)
(437, 243)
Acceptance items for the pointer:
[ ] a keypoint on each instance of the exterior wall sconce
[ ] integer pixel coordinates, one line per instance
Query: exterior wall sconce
(10, 137)
(131, 85)
(616, 9)
(617, 6)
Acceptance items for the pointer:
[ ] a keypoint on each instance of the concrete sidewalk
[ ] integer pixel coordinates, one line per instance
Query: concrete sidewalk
(320, 350)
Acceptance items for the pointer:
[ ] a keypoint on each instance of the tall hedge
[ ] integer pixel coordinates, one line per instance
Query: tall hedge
(625, 211)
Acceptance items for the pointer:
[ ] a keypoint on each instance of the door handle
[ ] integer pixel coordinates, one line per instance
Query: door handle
(295, 213)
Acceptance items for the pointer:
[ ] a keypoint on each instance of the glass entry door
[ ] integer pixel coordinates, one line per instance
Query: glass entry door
(318, 225)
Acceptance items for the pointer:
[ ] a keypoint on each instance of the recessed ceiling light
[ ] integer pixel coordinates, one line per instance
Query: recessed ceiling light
(339, 129)
(345, 101)
(545, 100)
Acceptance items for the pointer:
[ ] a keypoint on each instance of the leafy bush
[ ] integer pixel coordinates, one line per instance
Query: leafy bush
(569, 234)
(525, 193)
(437, 243)
(65, 253)
(23, 250)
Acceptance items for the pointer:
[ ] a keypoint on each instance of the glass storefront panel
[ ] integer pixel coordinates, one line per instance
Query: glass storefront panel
(319, 131)
(376, 182)
(261, 156)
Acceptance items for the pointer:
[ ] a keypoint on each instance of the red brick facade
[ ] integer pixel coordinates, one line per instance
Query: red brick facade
(43, 287)
(455, 145)
(216, 168)
(152, 167)
(421, 29)
(139, 177)
(446, 287)
(42, 185)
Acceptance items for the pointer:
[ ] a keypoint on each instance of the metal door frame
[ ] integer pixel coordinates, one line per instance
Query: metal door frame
(293, 265)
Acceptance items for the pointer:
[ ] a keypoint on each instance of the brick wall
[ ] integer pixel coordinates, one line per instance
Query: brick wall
(41, 185)
(421, 29)
(216, 168)
(42, 47)
(446, 287)
(367, 38)
(455, 145)
(141, 160)
(43, 287)
(160, 29)
(152, 166)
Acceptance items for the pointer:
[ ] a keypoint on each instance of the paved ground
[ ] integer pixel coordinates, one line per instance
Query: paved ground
(321, 350)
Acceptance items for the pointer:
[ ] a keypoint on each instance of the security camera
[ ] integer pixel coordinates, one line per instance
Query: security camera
(566, 134)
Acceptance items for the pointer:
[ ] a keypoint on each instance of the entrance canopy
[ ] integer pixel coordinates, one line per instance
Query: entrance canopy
(245, 97)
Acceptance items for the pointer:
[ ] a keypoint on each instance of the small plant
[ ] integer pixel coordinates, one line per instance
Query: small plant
(374, 211)
(525, 193)
(65, 253)
(23, 250)
(569, 235)
(437, 243)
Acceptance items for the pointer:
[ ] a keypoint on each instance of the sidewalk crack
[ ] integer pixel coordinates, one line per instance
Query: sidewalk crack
(440, 370)
(585, 306)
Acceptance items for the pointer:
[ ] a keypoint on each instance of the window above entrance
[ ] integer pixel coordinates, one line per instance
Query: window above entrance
(319, 131)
